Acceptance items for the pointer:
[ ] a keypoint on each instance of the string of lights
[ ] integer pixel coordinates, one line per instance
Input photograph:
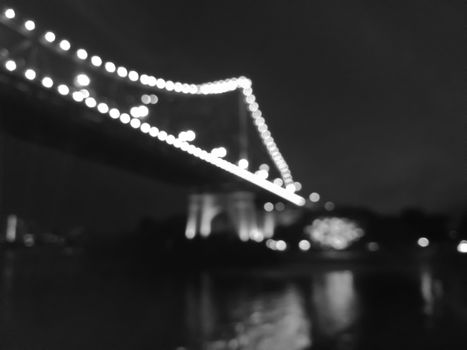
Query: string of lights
(180, 142)
(63, 46)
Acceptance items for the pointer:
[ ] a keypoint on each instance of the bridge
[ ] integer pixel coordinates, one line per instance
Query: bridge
(210, 136)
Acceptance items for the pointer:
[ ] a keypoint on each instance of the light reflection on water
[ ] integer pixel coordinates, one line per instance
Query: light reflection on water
(80, 306)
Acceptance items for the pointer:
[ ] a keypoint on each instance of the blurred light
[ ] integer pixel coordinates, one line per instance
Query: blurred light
(334, 232)
(82, 80)
(10, 13)
(96, 61)
(90, 102)
(110, 67)
(154, 131)
(264, 167)
(133, 76)
(65, 45)
(262, 174)
(423, 242)
(462, 247)
(281, 245)
(219, 152)
(304, 245)
(329, 206)
(291, 187)
(269, 207)
(139, 111)
(154, 99)
(30, 74)
(372, 246)
(78, 96)
(47, 82)
(146, 99)
(114, 113)
(243, 163)
(63, 90)
(29, 25)
(82, 54)
(278, 182)
(135, 123)
(49, 37)
(145, 127)
(10, 65)
(280, 206)
(314, 197)
(103, 108)
(298, 186)
(122, 72)
(125, 118)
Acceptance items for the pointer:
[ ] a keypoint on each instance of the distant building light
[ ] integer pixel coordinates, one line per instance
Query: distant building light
(281, 245)
(304, 245)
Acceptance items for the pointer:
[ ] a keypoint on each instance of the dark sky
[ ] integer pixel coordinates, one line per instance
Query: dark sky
(364, 98)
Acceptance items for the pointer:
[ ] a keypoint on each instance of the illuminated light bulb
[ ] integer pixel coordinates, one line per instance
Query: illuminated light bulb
(146, 99)
(314, 197)
(154, 131)
(103, 108)
(250, 99)
(122, 72)
(190, 135)
(63, 89)
(30, 74)
(65, 45)
(10, 65)
(162, 135)
(110, 67)
(114, 113)
(133, 76)
(243, 163)
(82, 80)
(278, 182)
(85, 93)
(96, 61)
(47, 82)
(49, 37)
(154, 99)
(462, 247)
(281, 245)
(219, 152)
(268, 207)
(125, 118)
(290, 188)
(423, 242)
(90, 102)
(29, 25)
(144, 79)
(9, 13)
(298, 186)
(160, 83)
(82, 54)
(169, 85)
(152, 81)
(135, 123)
(170, 139)
(263, 174)
(145, 128)
(78, 96)
(178, 87)
(304, 245)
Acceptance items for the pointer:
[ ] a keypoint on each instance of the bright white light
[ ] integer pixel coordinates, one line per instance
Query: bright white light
(298, 186)
(10, 13)
(154, 131)
(291, 187)
(65, 45)
(125, 118)
(264, 167)
(154, 99)
(114, 113)
(110, 67)
(133, 76)
(281, 245)
(423, 242)
(90, 102)
(304, 245)
(162, 135)
(122, 72)
(82, 80)
(29, 25)
(263, 174)
(47, 82)
(188, 136)
(10, 65)
(219, 152)
(82, 54)
(78, 96)
(135, 123)
(278, 182)
(243, 163)
(145, 127)
(30, 74)
(462, 247)
(96, 61)
(49, 37)
(139, 111)
(102, 108)
(146, 99)
(334, 232)
(314, 197)
(268, 207)
(63, 90)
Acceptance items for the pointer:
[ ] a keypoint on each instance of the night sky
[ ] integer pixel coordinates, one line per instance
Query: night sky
(364, 98)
